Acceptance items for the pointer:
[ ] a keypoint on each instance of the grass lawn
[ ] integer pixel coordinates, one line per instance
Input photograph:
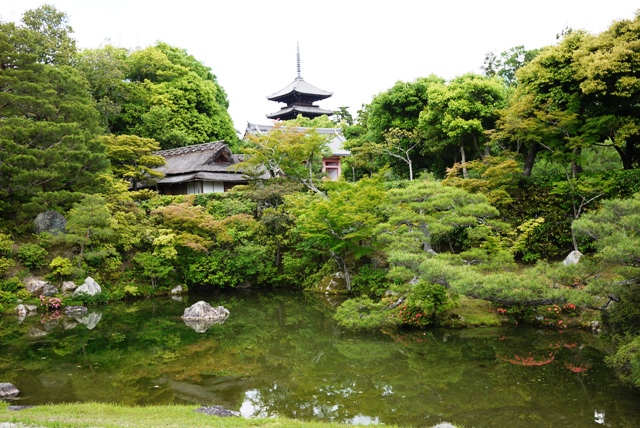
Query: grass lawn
(108, 415)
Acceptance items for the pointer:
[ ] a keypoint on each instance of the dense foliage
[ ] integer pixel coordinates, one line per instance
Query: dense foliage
(539, 157)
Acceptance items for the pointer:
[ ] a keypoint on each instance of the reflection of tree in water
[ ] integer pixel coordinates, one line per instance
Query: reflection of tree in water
(281, 353)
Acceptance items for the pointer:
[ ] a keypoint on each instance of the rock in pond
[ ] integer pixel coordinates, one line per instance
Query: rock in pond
(202, 315)
(217, 411)
(332, 284)
(8, 390)
(204, 311)
(23, 310)
(75, 310)
(89, 287)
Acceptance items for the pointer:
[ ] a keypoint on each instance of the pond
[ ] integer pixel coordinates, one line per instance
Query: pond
(281, 353)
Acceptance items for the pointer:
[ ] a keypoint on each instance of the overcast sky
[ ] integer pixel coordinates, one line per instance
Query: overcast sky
(355, 49)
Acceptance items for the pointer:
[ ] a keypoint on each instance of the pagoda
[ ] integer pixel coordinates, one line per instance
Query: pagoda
(299, 97)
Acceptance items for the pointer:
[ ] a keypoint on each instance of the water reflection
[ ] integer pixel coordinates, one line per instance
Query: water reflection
(201, 325)
(282, 354)
(90, 320)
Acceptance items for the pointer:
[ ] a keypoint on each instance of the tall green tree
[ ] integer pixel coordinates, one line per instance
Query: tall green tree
(286, 150)
(105, 69)
(506, 65)
(545, 113)
(48, 122)
(173, 98)
(50, 32)
(397, 108)
(132, 158)
(608, 69)
(459, 115)
(341, 223)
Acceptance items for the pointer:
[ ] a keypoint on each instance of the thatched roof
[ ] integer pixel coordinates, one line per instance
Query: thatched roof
(200, 162)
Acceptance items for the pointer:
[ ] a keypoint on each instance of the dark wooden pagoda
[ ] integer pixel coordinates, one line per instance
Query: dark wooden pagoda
(299, 97)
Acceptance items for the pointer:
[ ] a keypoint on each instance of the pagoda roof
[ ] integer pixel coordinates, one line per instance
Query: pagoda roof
(294, 110)
(299, 86)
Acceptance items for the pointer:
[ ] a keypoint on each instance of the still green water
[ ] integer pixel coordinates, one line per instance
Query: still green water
(282, 354)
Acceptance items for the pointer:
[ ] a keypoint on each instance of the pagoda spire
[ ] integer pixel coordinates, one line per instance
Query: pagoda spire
(298, 58)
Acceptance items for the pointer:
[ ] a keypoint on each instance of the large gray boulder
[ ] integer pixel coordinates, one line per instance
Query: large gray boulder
(50, 221)
(49, 290)
(68, 286)
(8, 390)
(573, 258)
(202, 315)
(204, 311)
(90, 287)
(23, 309)
(34, 285)
(75, 310)
(332, 284)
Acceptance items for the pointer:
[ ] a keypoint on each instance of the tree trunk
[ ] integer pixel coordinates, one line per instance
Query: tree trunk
(576, 168)
(530, 160)
(463, 161)
(342, 265)
(410, 170)
(426, 244)
(278, 255)
(627, 154)
(82, 247)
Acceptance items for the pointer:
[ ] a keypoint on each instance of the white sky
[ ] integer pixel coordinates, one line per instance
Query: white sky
(355, 49)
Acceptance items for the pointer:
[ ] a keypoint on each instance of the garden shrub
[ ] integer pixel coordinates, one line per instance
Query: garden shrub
(61, 268)
(369, 281)
(626, 362)
(32, 256)
(624, 316)
(363, 313)
(5, 265)
(10, 285)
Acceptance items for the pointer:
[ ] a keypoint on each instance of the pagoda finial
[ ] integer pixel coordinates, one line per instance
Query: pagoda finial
(299, 76)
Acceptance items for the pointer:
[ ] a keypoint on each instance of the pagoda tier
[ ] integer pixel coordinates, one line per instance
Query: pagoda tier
(299, 90)
(299, 97)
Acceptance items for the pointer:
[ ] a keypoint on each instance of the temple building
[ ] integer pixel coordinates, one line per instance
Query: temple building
(299, 97)
(331, 165)
(201, 168)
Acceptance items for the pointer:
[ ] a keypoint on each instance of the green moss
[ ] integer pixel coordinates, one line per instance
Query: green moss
(471, 313)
